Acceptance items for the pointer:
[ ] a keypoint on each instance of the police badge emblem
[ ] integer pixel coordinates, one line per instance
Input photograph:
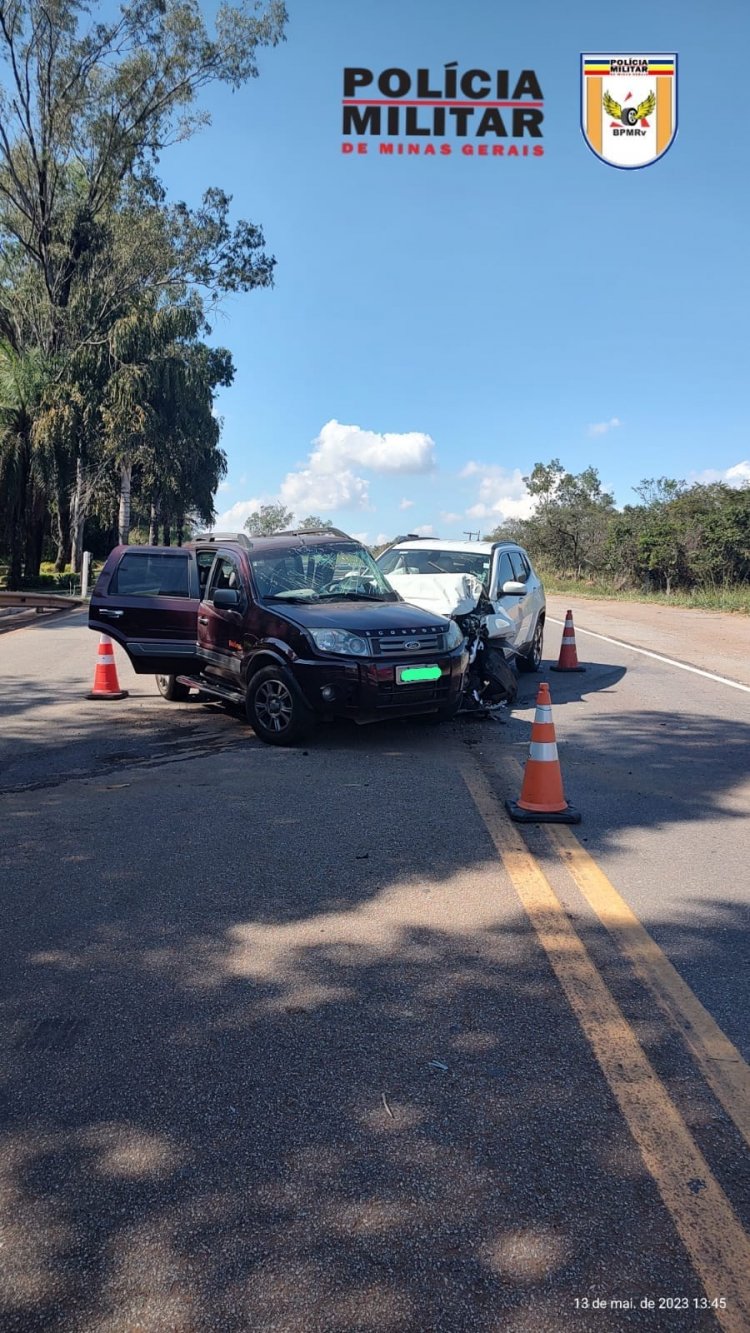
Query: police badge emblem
(629, 107)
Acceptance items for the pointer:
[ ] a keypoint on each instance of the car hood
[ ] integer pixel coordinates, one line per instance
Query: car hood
(451, 595)
(361, 617)
(445, 594)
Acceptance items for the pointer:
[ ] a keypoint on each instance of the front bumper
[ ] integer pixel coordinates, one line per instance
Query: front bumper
(368, 690)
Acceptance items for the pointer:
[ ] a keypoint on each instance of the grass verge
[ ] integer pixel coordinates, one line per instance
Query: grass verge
(705, 599)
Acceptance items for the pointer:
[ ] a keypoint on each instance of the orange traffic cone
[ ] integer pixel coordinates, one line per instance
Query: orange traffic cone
(542, 800)
(106, 684)
(568, 659)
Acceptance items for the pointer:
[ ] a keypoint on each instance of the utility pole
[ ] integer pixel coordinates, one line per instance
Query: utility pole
(471, 535)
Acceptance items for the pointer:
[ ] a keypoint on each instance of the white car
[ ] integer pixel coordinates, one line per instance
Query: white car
(423, 569)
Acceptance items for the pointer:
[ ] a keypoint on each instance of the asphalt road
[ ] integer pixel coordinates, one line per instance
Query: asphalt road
(317, 1040)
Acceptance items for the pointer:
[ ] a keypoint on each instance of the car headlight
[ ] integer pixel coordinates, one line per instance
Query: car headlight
(454, 636)
(339, 641)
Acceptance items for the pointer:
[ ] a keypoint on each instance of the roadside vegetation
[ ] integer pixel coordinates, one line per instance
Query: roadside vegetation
(107, 289)
(679, 544)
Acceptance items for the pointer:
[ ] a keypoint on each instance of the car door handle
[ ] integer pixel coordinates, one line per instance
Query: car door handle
(202, 620)
(113, 615)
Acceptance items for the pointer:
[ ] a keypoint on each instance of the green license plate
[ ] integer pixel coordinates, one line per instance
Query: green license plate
(408, 675)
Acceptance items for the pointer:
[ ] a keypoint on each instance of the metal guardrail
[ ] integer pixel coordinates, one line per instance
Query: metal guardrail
(41, 600)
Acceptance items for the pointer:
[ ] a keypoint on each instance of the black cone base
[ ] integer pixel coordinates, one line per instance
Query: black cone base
(568, 816)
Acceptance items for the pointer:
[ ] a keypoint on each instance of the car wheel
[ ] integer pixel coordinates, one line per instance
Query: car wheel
(170, 688)
(275, 708)
(532, 660)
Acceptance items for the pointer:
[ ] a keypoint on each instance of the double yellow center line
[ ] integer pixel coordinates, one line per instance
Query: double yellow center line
(710, 1230)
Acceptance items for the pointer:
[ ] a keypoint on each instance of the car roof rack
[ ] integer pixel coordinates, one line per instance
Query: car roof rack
(249, 542)
(311, 532)
(240, 537)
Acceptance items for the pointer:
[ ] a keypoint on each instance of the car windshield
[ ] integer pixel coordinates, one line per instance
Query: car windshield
(434, 560)
(324, 572)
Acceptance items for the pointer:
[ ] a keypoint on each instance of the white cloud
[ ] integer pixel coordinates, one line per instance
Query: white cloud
(602, 427)
(382, 538)
(223, 486)
(407, 504)
(233, 520)
(448, 516)
(331, 479)
(736, 476)
(424, 530)
(502, 494)
(324, 491)
(363, 537)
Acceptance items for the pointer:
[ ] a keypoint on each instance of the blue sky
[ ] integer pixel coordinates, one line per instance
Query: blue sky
(463, 318)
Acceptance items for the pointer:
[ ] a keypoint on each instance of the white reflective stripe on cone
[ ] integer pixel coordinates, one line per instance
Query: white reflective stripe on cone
(544, 750)
(543, 713)
(106, 659)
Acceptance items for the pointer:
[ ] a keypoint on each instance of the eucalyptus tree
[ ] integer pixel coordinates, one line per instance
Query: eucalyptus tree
(86, 108)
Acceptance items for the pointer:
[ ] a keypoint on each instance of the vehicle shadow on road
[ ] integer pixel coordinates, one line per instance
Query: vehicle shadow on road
(288, 1062)
(569, 687)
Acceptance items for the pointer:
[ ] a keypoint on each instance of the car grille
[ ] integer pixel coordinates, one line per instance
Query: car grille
(391, 644)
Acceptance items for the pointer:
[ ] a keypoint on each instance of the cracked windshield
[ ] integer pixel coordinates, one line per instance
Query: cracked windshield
(321, 573)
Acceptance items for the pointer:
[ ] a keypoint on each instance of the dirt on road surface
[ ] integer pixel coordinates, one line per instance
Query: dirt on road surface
(714, 641)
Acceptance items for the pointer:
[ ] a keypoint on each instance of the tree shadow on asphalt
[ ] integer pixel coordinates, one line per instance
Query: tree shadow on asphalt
(658, 768)
(237, 1102)
(40, 748)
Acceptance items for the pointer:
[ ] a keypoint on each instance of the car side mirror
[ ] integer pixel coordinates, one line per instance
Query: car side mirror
(513, 589)
(226, 599)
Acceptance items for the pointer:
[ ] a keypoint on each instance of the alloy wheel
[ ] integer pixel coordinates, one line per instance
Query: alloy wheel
(274, 705)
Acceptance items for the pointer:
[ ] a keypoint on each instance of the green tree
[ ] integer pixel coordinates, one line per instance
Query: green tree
(86, 107)
(313, 523)
(269, 518)
(22, 380)
(157, 411)
(568, 528)
(91, 107)
(715, 522)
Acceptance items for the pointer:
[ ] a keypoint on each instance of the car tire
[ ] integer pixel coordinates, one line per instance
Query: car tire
(275, 708)
(170, 688)
(532, 660)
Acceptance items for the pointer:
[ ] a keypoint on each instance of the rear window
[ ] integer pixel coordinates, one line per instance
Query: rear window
(152, 575)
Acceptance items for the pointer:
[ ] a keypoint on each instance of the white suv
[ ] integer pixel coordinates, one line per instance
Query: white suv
(505, 571)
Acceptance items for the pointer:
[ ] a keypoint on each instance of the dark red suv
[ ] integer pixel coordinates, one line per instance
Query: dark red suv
(294, 626)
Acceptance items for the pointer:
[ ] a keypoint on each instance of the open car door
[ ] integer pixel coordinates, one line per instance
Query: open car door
(146, 599)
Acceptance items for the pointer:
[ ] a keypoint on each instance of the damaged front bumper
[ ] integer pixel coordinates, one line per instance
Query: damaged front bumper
(370, 691)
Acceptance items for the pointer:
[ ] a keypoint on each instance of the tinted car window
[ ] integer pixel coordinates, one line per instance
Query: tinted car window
(520, 567)
(152, 575)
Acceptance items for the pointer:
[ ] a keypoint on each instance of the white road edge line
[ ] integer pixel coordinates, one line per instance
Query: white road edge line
(722, 680)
